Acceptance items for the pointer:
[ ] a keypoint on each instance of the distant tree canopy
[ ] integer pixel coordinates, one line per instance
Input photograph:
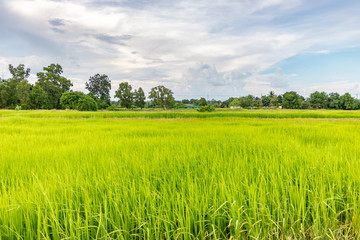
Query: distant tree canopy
(139, 98)
(52, 90)
(53, 84)
(100, 86)
(291, 100)
(162, 97)
(125, 95)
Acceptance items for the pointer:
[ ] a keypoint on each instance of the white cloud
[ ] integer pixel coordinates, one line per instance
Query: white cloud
(166, 42)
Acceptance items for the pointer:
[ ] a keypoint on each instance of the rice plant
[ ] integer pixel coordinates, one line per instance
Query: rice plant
(174, 175)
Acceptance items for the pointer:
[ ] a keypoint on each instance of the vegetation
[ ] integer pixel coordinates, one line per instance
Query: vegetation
(162, 96)
(207, 176)
(99, 86)
(51, 85)
(78, 101)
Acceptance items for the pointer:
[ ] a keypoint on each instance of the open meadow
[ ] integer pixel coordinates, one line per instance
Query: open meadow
(261, 174)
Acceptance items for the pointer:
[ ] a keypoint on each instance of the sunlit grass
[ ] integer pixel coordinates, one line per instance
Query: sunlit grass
(63, 175)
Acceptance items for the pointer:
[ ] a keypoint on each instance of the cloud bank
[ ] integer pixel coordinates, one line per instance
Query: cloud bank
(197, 48)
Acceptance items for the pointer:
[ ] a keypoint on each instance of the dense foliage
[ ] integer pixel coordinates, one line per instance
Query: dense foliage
(78, 101)
(51, 85)
(99, 86)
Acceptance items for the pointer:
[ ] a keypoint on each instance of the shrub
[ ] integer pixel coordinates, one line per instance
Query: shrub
(78, 101)
(206, 109)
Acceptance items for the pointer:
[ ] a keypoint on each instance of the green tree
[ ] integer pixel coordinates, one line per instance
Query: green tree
(19, 75)
(100, 86)
(347, 101)
(202, 102)
(319, 99)
(78, 101)
(235, 103)
(334, 101)
(38, 97)
(266, 100)
(227, 102)
(4, 93)
(23, 94)
(139, 98)
(292, 100)
(248, 101)
(162, 96)
(53, 84)
(125, 95)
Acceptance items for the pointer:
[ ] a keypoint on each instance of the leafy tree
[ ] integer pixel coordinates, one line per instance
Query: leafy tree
(334, 101)
(38, 97)
(194, 101)
(235, 103)
(100, 86)
(86, 103)
(18, 74)
(347, 101)
(266, 100)
(4, 93)
(202, 102)
(78, 101)
(319, 99)
(356, 103)
(162, 96)
(248, 101)
(23, 94)
(292, 100)
(53, 84)
(125, 95)
(227, 102)
(139, 98)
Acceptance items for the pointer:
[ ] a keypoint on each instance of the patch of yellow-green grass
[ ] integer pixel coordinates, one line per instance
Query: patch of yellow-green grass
(68, 176)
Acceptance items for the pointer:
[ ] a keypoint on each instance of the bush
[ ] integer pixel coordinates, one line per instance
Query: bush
(78, 101)
(86, 103)
(206, 109)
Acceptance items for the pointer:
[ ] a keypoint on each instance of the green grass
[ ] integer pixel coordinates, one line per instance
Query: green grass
(187, 113)
(126, 175)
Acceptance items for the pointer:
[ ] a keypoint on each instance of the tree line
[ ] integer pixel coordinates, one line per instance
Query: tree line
(293, 100)
(53, 91)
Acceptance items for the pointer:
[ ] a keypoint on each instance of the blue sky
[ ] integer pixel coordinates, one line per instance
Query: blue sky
(214, 49)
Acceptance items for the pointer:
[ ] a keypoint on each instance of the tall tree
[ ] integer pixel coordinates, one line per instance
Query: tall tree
(125, 95)
(4, 93)
(266, 101)
(347, 101)
(100, 86)
(19, 74)
(334, 101)
(292, 100)
(139, 98)
(53, 84)
(38, 97)
(202, 102)
(23, 94)
(319, 99)
(162, 96)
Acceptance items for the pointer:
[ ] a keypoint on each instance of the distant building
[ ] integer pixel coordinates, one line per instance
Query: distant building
(235, 107)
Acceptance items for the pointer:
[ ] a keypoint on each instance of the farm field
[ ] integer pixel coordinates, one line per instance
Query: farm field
(261, 174)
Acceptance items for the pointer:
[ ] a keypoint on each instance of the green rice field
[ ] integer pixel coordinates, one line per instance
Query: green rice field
(249, 174)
